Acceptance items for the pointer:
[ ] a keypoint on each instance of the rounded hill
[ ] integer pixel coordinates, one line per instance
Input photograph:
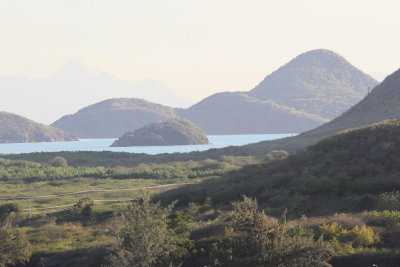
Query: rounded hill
(113, 117)
(167, 133)
(317, 82)
(17, 129)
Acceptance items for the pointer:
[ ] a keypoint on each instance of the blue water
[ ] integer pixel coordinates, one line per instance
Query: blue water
(216, 141)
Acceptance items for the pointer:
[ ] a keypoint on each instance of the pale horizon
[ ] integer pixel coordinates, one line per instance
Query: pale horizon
(195, 48)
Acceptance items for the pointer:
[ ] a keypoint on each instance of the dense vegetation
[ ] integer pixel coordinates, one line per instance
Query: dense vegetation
(113, 117)
(212, 223)
(167, 133)
(17, 129)
(21, 171)
(346, 172)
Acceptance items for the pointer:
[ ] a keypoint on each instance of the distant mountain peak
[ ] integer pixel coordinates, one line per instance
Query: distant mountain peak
(319, 56)
(77, 67)
(317, 82)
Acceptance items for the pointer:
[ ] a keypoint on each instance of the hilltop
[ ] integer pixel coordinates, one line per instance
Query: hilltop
(113, 117)
(167, 133)
(17, 129)
(317, 82)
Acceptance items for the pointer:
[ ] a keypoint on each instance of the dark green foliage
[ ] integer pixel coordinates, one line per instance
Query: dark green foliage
(6, 210)
(17, 171)
(14, 247)
(17, 129)
(84, 207)
(167, 133)
(151, 235)
(338, 172)
(254, 239)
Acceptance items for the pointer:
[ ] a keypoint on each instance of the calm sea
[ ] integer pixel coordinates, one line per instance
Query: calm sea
(216, 141)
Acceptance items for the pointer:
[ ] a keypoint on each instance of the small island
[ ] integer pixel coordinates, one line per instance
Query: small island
(168, 133)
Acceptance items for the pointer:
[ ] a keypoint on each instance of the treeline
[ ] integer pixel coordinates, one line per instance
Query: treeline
(26, 171)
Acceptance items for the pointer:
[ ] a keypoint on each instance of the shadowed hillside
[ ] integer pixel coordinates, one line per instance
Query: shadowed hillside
(237, 113)
(17, 129)
(344, 172)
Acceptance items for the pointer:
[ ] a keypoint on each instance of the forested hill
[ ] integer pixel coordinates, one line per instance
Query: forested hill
(168, 133)
(317, 82)
(17, 129)
(113, 117)
(344, 172)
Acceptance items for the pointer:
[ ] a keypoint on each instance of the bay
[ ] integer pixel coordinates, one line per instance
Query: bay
(216, 141)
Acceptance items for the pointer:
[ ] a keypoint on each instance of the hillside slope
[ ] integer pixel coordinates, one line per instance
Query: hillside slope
(17, 129)
(113, 117)
(345, 172)
(318, 82)
(237, 113)
(168, 133)
(381, 104)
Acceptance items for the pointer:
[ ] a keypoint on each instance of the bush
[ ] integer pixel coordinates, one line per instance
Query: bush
(383, 218)
(58, 161)
(345, 240)
(14, 247)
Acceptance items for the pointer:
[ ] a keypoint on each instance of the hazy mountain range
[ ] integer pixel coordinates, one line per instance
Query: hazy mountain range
(308, 91)
(75, 86)
(381, 104)
(113, 117)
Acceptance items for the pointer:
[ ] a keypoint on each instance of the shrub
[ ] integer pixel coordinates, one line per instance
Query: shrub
(383, 218)
(58, 161)
(345, 240)
(14, 247)
(254, 239)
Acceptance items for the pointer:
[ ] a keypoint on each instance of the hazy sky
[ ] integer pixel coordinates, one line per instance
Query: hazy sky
(195, 47)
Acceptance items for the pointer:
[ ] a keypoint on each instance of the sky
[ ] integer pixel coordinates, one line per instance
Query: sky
(196, 48)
